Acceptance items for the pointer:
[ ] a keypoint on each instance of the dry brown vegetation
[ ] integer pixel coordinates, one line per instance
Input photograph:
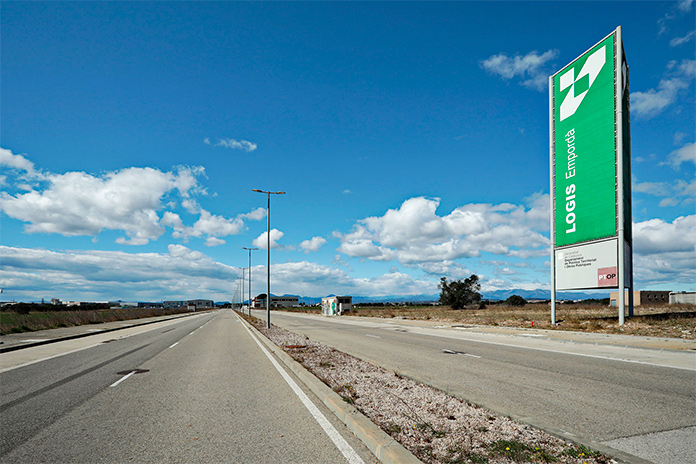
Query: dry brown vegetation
(435, 427)
(13, 322)
(671, 321)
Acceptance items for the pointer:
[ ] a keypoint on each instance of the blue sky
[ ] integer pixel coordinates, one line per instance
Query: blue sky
(411, 139)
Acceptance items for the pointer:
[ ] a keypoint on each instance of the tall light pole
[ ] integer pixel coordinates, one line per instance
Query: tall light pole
(241, 302)
(268, 254)
(250, 250)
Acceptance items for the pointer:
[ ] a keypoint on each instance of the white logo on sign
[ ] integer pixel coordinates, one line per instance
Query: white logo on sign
(592, 67)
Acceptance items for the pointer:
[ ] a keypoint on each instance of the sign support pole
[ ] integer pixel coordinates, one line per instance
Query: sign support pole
(552, 233)
(621, 268)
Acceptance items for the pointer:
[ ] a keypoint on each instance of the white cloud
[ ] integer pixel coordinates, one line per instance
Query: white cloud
(182, 273)
(532, 66)
(658, 189)
(130, 200)
(32, 274)
(673, 193)
(77, 203)
(313, 244)
(414, 233)
(652, 102)
(685, 154)
(684, 5)
(214, 241)
(262, 240)
(243, 145)
(656, 236)
(19, 162)
(675, 42)
(255, 215)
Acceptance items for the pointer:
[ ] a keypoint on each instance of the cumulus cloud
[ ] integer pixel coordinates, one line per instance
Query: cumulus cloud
(414, 233)
(18, 162)
(182, 273)
(243, 145)
(313, 244)
(78, 203)
(262, 240)
(652, 102)
(530, 67)
(32, 274)
(129, 200)
(656, 236)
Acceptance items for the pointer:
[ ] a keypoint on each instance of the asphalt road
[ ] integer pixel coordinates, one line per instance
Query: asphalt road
(642, 401)
(204, 391)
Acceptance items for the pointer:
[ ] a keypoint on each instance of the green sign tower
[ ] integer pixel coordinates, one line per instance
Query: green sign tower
(589, 127)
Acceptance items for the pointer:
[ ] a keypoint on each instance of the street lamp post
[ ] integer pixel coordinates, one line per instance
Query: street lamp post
(250, 250)
(241, 302)
(268, 254)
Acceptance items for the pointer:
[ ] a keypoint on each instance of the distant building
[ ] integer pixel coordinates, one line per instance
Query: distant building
(276, 301)
(336, 305)
(643, 297)
(200, 304)
(190, 304)
(682, 297)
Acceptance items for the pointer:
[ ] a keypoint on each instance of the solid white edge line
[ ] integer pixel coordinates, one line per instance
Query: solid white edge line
(342, 445)
(549, 350)
(122, 379)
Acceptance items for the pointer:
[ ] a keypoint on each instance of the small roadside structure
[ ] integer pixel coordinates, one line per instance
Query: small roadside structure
(336, 305)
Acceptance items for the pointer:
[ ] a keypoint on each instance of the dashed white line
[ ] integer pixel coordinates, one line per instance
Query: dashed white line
(122, 379)
(174, 345)
(373, 336)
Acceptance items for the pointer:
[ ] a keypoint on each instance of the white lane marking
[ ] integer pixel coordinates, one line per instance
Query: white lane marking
(122, 379)
(342, 445)
(29, 363)
(174, 345)
(373, 336)
(462, 353)
(32, 340)
(555, 351)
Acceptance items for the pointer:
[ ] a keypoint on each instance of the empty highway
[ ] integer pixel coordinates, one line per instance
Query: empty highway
(198, 389)
(642, 401)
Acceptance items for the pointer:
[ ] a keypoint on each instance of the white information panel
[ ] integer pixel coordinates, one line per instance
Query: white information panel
(592, 265)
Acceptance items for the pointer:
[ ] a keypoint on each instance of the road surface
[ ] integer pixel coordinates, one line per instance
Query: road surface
(642, 401)
(198, 389)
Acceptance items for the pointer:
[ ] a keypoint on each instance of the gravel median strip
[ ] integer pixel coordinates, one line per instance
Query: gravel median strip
(434, 426)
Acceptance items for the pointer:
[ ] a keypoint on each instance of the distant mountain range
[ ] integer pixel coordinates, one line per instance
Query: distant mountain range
(495, 295)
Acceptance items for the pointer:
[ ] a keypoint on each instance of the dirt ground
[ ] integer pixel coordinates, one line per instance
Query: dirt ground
(670, 321)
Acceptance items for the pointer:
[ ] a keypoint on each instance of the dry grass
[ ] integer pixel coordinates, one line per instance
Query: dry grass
(670, 321)
(435, 427)
(12, 322)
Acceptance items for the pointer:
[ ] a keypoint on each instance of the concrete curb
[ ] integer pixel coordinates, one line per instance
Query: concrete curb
(7, 349)
(342, 406)
(384, 447)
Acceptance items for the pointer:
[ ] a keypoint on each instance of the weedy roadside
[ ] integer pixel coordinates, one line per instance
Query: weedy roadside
(435, 427)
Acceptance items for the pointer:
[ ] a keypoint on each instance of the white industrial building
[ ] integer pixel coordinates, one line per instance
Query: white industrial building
(682, 297)
(336, 305)
(276, 301)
